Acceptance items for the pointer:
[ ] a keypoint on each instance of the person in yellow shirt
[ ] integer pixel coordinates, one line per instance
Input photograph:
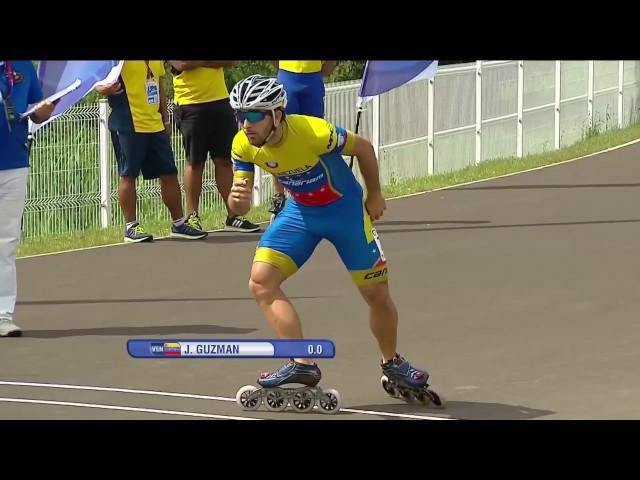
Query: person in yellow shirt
(205, 119)
(140, 132)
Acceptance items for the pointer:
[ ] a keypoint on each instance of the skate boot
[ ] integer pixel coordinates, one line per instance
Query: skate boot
(291, 372)
(401, 380)
(277, 204)
(301, 398)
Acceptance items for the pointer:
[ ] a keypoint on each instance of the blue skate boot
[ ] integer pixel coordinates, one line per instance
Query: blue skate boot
(301, 399)
(291, 372)
(402, 380)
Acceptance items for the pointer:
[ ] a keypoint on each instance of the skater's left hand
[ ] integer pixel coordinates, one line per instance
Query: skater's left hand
(375, 205)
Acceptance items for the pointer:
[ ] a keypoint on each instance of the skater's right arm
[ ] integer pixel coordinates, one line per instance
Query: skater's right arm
(239, 200)
(240, 196)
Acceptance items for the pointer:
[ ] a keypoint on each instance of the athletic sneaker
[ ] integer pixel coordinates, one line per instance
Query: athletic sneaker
(186, 231)
(8, 328)
(240, 224)
(194, 221)
(135, 234)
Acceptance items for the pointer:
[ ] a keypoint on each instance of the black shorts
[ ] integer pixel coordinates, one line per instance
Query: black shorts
(150, 153)
(207, 128)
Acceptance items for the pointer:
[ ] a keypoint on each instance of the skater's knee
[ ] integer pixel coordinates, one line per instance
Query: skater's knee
(260, 290)
(264, 281)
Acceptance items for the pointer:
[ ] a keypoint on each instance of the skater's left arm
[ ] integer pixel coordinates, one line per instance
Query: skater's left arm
(368, 164)
(328, 138)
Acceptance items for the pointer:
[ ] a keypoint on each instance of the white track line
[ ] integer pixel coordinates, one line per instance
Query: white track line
(399, 415)
(198, 397)
(601, 152)
(129, 409)
(118, 390)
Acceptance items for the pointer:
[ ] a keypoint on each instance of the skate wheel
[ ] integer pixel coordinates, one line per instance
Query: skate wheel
(246, 400)
(329, 401)
(434, 399)
(420, 397)
(302, 401)
(275, 401)
(388, 386)
(406, 395)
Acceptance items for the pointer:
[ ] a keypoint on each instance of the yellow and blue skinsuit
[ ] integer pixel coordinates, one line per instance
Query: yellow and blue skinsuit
(326, 199)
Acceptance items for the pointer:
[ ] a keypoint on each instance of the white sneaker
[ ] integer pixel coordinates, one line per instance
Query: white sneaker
(8, 328)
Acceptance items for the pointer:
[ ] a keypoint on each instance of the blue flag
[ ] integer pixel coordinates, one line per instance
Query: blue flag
(380, 76)
(57, 75)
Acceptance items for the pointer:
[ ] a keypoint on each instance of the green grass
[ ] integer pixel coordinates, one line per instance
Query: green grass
(493, 168)
(212, 219)
(94, 237)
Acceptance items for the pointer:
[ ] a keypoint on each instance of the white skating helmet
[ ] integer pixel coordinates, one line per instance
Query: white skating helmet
(258, 92)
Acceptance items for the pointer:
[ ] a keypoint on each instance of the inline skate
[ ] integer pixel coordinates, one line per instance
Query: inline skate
(302, 398)
(401, 380)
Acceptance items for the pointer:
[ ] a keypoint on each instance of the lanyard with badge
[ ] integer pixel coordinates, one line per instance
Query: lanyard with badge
(152, 87)
(7, 102)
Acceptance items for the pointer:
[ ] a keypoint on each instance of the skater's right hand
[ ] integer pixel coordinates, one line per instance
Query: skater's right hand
(240, 191)
(239, 200)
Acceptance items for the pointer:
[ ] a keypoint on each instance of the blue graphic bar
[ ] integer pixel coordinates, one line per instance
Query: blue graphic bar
(160, 348)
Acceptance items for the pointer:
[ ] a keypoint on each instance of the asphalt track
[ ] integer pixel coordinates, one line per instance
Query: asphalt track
(517, 294)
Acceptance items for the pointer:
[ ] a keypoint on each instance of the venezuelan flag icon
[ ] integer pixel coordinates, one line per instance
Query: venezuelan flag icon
(172, 348)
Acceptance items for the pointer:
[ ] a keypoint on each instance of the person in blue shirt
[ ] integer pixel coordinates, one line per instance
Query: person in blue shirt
(19, 88)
